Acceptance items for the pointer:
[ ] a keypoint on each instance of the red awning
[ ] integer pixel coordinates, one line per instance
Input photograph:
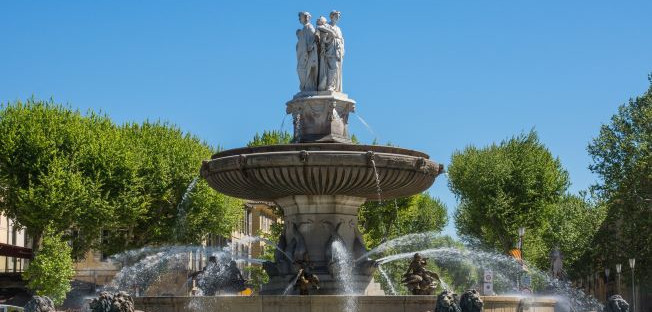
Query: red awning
(16, 251)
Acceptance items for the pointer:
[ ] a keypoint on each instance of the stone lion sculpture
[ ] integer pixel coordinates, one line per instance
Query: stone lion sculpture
(108, 302)
(40, 304)
(471, 301)
(616, 303)
(447, 302)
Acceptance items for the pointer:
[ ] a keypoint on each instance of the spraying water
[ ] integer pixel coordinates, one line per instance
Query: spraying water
(506, 271)
(344, 273)
(405, 240)
(291, 285)
(181, 209)
(387, 279)
(366, 125)
(255, 239)
(379, 191)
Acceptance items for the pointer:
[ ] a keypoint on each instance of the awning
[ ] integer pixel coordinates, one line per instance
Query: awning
(16, 251)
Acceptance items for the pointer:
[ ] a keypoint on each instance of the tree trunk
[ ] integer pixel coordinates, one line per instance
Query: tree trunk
(37, 241)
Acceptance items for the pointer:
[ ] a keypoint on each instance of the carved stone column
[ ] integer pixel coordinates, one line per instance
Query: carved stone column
(312, 223)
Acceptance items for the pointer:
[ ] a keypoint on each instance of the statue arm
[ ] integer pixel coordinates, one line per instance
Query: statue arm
(327, 29)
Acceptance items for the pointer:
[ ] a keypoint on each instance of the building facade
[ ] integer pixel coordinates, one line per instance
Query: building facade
(96, 270)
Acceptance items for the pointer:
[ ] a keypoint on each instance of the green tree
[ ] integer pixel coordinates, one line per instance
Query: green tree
(54, 163)
(503, 187)
(50, 272)
(572, 227)
(85, 177)
(168, 162)
(270, 138)
(622, 157)
(381, 221)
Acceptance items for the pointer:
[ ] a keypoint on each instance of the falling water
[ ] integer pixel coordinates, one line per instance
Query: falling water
(254, 239)
(405, 240)
(297, 128)
(506, 271)
(387, 279)
(292, 283)
(283, 123)
(344, 273)
(181, 209)
(145, 266)
(379, 191)
(366, 125)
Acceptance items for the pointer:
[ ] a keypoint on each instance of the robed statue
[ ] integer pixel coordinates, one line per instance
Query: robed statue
(307, 58)
(325, 50)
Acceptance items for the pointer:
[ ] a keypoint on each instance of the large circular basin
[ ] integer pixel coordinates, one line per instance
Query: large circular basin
(276, 171)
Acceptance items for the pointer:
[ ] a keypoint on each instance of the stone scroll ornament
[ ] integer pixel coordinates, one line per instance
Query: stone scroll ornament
(320, 52)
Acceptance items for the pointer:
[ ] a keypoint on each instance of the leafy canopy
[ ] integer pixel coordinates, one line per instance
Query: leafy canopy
(622, 158)
(85, 177)
(50, 272)
(505, 186)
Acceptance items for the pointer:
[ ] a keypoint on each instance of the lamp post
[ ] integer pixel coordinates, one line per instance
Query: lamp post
(632, 262)
(606, 283)
(521, 233)
(596, 280)
(619, 268)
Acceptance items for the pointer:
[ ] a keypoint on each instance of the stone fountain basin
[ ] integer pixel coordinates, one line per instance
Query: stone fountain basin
(276, 171)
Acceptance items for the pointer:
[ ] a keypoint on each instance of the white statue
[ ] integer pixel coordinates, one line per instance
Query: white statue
(339, 48)
(307, 59)
(331, 53)
(556, 264)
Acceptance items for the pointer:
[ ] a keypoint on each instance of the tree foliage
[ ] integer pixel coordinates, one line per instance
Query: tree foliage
(85, 177)
(50, 272)
(622, 157)
(572, 227)
(381, 221)
(503, 187)
(273, 137)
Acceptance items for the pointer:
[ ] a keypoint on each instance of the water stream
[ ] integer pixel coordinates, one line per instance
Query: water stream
(181, 210)
(344, 274)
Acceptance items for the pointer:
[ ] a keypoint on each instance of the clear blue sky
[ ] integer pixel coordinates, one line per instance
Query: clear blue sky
(434, 76)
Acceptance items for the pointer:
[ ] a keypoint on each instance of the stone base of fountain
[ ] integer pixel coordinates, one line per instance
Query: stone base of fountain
(364, 285)
(331, 304)
(321, 116)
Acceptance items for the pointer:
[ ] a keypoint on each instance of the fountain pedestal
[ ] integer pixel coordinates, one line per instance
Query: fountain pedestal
(321, 116)
(312, 224)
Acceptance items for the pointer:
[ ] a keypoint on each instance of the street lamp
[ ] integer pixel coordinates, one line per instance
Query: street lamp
(596, 280)
(521, 232)
(619, 268)
(606, 282)
(632, 262)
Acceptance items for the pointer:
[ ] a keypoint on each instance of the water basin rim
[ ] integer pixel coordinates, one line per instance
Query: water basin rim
(320, 148)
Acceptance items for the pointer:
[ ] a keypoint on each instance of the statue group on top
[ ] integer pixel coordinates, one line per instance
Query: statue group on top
(320, 52)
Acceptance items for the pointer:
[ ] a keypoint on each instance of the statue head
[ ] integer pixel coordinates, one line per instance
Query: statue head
(446, 302)
(335, 16)
(471, 301)
(304, 17)
(321, 21)
(418, 257)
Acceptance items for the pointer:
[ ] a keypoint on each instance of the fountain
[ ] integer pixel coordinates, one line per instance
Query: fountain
(320, 181)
